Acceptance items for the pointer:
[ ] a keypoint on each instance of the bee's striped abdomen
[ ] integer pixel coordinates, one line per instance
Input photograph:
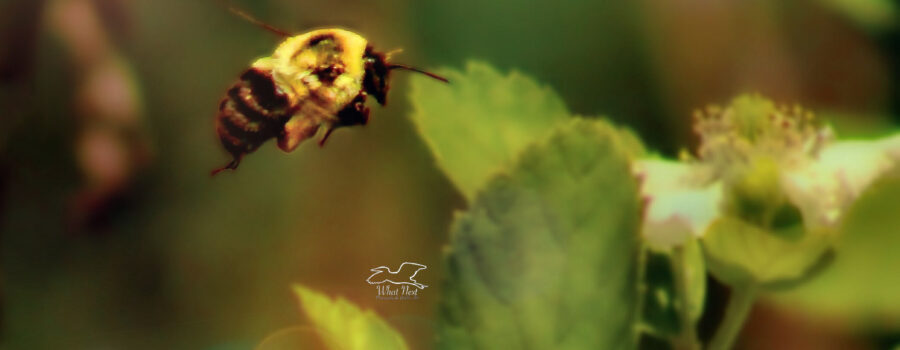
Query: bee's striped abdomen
(253, 111)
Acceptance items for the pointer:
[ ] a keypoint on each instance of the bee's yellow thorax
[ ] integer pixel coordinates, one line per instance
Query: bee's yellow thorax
(350, 45)
(299, 56)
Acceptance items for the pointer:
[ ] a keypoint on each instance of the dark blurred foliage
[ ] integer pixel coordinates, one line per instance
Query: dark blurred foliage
(889, 41)
(591, 52)
(112, 235)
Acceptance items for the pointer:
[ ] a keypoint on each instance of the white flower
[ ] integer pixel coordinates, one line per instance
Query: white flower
(818, 176)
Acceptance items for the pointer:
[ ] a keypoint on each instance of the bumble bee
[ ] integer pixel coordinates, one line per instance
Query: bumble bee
(316, 80)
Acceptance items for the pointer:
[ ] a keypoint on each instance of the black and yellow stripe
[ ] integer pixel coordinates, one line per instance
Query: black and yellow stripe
(253, 111)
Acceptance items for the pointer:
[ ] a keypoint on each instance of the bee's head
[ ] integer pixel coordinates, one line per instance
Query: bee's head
(378, 72)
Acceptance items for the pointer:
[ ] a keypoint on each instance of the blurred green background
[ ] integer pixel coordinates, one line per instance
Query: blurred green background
(113, 235)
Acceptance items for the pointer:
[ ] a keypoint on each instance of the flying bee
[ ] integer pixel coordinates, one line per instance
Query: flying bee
(316, 80)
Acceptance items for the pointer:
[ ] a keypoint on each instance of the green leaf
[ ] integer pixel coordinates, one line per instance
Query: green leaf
(482, 120)
(546, 258)
(343, 326)
(862, 283)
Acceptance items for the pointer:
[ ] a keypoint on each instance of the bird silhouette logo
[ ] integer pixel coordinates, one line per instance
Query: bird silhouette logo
(405, 274)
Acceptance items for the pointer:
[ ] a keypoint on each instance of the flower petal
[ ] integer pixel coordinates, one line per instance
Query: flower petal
(827, 185)
(678, 204)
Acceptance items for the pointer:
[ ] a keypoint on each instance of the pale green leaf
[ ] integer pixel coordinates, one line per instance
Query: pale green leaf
(546, 258)
(694, 268)
(343, 326)
(871, 14)
(482, 120)
(862, 283)
(741, 254)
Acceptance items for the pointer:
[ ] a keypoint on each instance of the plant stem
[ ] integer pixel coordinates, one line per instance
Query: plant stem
(688, 337)
(739, 305)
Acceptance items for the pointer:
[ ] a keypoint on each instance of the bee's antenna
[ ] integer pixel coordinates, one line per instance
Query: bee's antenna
(401, 66)
(249, 18)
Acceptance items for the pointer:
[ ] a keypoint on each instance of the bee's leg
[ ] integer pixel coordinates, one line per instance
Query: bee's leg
(329, 129)
(297, 129)
(231, 165)
(355, 113)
